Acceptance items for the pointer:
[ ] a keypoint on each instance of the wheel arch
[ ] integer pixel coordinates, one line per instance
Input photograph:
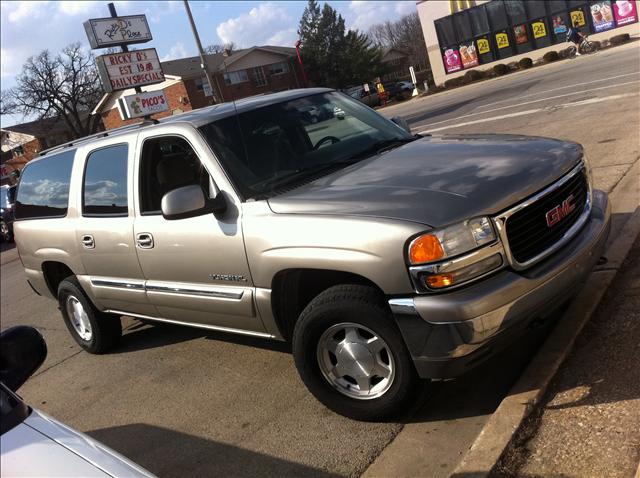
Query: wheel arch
(55, 272)
(293, 289)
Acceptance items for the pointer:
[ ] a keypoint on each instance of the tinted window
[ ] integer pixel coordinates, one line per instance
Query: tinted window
(479, 22)
(104, 192)
(497, 15)
(515, 11)
(44, 187)
(535, 9)
(556, 5)
(463, 27)
(168, 163)
(446, 32)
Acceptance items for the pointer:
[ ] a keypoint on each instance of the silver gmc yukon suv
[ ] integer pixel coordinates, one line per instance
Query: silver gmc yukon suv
(384, 257)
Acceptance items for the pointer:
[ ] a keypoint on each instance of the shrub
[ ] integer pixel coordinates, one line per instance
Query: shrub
(550, 57)
(501, 69)
(472, 75)
(453, 82)
(619, 39)
(525, 63)
(565, 53)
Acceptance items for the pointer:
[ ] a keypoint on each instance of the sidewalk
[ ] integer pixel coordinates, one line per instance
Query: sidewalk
(589, 425)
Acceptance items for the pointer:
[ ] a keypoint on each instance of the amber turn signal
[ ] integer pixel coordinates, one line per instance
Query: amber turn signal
(425, 248)
(440, 280)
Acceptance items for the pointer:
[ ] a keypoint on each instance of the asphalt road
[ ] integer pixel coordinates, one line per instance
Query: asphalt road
(186, 402)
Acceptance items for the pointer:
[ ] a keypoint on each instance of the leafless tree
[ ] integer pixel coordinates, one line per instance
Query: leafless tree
(65, 86)
(217, 48)
(6, 104)
(404, 34)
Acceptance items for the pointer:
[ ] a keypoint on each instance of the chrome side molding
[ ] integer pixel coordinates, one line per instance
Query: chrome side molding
(168, 288)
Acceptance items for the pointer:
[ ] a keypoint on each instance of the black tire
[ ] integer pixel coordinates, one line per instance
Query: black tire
(589, 47)
(106, 329)
(364, 306)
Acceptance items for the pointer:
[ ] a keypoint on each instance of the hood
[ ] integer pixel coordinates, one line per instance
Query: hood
(437, 180)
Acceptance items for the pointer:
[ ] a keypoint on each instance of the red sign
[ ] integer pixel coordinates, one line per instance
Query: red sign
(625, 12)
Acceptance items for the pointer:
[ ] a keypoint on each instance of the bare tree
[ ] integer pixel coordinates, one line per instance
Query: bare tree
(65, 86)
(218, 48)
(404, 34)
(6, 103)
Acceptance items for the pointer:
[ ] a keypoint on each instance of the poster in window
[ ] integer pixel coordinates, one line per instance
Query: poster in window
(469, 55)
(625, 12)
(559, 26)
(539, 29)
(502, 40)
(520, 32)
(452, 60)
(602, 16)
(483, 46)
(577, 16)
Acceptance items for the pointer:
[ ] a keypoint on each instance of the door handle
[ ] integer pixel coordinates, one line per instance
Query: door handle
(144, 240)
(88, 242)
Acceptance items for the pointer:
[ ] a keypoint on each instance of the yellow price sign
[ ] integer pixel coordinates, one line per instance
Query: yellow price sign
(578, 16)
(539, 29)
(502, 40)
(483, 46)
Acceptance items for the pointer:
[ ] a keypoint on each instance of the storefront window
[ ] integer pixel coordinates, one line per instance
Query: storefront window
(515, 11)
(497, 15)
(535, 9)
(556, 5)
(479, 22)
(462, 25)
(446, 32)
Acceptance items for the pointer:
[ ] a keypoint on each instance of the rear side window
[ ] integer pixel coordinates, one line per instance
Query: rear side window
(44, 187)
(104, 191)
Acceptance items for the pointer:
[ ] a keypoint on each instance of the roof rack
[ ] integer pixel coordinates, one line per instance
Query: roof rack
(101, 134)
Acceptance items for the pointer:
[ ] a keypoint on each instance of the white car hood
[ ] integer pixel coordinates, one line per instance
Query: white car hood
(42, 446)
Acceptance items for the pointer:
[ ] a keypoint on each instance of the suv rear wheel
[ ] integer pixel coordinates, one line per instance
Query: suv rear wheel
(94, 331)
(351, 356)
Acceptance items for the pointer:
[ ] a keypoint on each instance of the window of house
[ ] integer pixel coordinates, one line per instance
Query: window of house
(18, 151)
(199, 82)
(44, 187)
(168, 163)
(279, 68)
(104, 190)
(258, 75)
(234, 77)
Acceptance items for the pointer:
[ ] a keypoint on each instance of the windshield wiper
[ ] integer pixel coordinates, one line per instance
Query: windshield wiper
(382, 146)
(281, 181)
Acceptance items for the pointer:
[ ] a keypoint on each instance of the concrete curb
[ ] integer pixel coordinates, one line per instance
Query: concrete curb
(532, 385)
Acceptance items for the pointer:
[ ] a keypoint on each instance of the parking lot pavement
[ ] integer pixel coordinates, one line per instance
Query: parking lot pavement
(182, 401)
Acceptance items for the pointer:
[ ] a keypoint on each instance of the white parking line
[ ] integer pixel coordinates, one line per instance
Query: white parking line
(533, 111)
(531, 102)
(560, 88)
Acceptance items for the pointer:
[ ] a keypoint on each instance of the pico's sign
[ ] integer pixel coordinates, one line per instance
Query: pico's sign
(120, 71)
(105, 32)
(145, 104)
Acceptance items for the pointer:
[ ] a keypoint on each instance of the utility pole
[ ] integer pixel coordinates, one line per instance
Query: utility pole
(203, 65)
(125, 48)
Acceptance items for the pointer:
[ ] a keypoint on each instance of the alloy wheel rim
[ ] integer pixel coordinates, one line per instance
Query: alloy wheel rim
(355, 361)
(79, 318)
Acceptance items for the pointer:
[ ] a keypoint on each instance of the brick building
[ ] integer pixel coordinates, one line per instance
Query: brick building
(23, 142)
(248, 72)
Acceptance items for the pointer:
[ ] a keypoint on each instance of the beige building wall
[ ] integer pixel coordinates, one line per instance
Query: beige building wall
(431, 10)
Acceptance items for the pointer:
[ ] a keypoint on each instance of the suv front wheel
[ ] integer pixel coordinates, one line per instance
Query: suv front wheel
(94, 331)
(351, 356)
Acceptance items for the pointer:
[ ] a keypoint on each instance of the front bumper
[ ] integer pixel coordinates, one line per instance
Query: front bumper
(449, 333)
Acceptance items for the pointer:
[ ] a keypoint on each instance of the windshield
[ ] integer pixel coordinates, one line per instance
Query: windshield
(289, 143)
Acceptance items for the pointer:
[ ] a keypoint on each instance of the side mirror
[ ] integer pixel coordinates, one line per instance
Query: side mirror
(190, 201)
(400, 121)
(22, 351)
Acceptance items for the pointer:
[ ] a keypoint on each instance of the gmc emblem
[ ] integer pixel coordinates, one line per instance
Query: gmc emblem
(561, 211)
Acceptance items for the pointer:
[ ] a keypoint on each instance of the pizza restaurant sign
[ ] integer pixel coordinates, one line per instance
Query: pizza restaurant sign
(143, 104)
(121, 71)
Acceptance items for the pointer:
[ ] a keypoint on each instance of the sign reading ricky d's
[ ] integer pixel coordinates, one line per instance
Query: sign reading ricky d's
(106, 32)
(120, 71)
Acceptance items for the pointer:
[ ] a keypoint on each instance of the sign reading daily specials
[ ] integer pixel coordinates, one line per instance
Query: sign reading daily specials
(144, 104)
(120, 71)
(105, 32)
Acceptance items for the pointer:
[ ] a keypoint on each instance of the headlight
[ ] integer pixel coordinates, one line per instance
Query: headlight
(451, 241)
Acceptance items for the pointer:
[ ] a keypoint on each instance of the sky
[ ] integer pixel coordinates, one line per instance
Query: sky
(28, 27)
